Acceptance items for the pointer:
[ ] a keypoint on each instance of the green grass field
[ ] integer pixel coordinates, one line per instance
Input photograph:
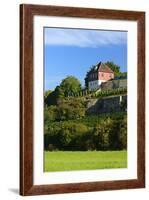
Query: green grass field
(84, 160)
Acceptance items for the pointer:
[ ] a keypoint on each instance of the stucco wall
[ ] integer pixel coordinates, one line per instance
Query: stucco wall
(93, 85)
(105, 76)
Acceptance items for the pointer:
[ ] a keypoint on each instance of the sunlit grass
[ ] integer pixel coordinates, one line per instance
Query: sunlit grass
(84, 160)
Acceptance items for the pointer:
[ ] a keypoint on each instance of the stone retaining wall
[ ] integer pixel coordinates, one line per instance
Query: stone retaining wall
(113, 84)
(107, 104)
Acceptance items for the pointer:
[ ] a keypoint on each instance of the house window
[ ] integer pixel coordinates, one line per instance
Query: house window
(102, 74)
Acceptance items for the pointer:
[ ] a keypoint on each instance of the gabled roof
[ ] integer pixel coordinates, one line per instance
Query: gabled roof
(100, 67)
(104, 68)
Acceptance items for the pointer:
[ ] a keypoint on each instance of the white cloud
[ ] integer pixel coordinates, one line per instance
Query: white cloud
(83, 38)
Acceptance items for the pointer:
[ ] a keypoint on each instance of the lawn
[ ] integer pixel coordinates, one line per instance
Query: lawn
(84, 160)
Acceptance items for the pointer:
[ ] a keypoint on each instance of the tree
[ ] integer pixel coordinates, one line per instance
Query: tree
(51, 99)
(115, 68)
(50, 113)
(47, 92)
(86, 82)
(54, 97)
(70, 85)
(71, 110)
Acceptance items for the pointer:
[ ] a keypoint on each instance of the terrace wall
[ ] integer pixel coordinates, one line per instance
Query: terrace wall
(106, 104)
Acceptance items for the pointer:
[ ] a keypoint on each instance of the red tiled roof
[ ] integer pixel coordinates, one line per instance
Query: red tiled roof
(104, 68)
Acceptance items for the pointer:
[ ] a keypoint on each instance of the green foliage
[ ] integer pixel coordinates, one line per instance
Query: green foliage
(54, 97)
(68, 127)
(122, 74)
(46, 93)
(107, 132)
(65, 110)
(101, 133)
(51, 147)
(50, 113)
(59, 92)
(70, 85)
(116, 69)
(51, 99)
(123, 134)
(106, 93)
(101, 93)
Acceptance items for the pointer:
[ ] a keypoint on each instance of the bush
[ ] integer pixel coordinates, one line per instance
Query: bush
(51, 147)
(123, 134)
(106, 132)
(65, 110)
(50, 113)
(101, 134)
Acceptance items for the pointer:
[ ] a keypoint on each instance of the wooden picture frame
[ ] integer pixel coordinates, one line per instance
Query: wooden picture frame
(27, 12)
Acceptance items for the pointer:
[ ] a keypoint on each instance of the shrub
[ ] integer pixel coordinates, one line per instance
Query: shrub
(51, 147)
(103, 132)
(50, 113)
(123, 134)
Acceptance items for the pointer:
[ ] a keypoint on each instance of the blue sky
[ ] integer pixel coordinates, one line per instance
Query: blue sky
(73, 51)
